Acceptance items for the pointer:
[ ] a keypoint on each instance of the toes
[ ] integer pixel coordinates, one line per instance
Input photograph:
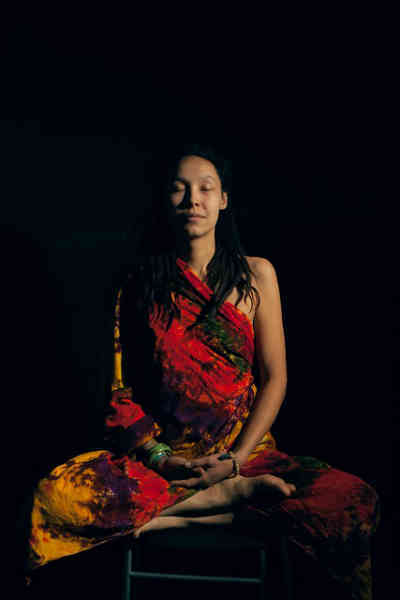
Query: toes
(283, 486)
(285, 489)
(289, 488)
(276, 485)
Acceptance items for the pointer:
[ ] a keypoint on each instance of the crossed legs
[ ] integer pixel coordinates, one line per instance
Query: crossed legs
(212, 506)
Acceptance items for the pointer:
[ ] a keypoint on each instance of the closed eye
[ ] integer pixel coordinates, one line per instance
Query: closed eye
(175, 190)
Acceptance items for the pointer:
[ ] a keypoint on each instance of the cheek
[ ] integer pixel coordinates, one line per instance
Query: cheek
(174, 202)
(213, 210)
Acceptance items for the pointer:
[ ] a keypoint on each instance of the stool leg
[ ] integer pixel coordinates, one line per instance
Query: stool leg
(287, 571)
(126, 593)
(263, 572)
(133, 562)
(137, 557)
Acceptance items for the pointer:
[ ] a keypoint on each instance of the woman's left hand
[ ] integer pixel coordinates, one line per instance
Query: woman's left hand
(208, 469)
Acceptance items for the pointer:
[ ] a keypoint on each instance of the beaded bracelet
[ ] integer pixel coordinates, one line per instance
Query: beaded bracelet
(236, 466)
(157, 452)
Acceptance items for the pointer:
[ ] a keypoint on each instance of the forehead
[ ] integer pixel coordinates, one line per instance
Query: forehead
(196, 166)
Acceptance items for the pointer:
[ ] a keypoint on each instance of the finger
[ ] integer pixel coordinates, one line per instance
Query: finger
(199, 462)
(199, 470)
(183, 465)
(182, 472)
(181, 461)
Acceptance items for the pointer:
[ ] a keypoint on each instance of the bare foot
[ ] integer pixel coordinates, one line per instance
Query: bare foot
(220, 497)
(162, 523)
(265, 483)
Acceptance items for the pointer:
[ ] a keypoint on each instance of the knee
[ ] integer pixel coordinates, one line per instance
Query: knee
(376, 502)
(370, 500)
(371, 493)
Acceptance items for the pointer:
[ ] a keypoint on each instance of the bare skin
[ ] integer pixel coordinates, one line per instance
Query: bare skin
(172, 522)
(212, 505)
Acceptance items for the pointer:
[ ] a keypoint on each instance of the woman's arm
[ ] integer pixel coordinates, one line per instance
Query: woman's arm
(271, 356)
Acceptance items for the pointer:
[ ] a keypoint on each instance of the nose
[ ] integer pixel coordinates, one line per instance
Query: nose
(190, 198)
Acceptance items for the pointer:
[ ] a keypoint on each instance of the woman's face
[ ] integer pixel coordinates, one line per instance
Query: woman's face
(196, 190)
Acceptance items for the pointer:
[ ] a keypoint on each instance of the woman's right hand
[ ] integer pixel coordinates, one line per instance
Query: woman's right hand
(174, 467)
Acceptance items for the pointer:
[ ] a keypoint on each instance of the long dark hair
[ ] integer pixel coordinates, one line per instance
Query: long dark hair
(154, 272)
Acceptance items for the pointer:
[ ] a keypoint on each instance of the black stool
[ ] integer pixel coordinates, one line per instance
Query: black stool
(216, 539)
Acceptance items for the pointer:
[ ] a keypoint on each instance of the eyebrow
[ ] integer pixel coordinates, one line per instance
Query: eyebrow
(186, 181)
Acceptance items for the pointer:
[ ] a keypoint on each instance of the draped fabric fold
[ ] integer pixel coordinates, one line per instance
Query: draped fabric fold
(193, 388)
(126, 424)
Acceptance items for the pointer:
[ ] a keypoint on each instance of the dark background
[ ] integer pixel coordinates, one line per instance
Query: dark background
(91, 101)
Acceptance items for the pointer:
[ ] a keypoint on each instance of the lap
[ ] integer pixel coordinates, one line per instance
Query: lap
(329, 504)
(311, 476)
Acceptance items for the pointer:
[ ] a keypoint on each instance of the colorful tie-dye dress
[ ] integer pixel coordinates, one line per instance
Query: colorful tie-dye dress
(193, 388)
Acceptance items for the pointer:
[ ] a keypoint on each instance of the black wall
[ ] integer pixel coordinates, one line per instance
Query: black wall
(308, 194)
(71, 202)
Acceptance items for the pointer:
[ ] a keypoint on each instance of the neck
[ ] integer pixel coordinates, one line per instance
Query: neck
(197, 254)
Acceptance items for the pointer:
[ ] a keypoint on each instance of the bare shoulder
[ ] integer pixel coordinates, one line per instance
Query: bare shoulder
(268, 323)
(263, 270)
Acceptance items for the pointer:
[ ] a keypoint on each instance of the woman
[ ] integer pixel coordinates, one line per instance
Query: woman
(199, 378)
